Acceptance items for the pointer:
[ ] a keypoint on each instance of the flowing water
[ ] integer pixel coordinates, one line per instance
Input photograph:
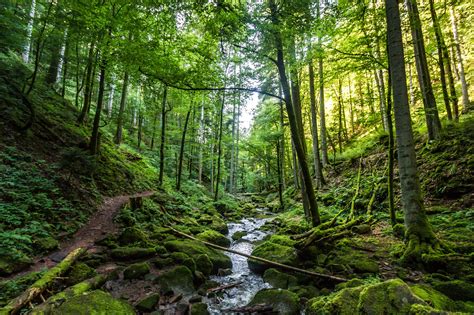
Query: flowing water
(240, 295)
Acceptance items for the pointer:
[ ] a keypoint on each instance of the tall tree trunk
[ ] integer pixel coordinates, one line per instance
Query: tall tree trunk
(88, 85)
(462, 76)
(29, 31)
(121, 113)
(95, 138)
(391, 149)
(295, 132)
(282, 143)
(418, 229)
(314, 120)
(351, 107)
(280, 177)
(381, 87)
(232, 150)
(431, 112)
(339, 107)
(110, 102)
(62, 55)
(140, 129)
(219, 148)
(440, 44)
(181, 150)
(65, 66)
(163, 129)
(201, 141)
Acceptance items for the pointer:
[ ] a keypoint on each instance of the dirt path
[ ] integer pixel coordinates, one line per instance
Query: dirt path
(100, 224)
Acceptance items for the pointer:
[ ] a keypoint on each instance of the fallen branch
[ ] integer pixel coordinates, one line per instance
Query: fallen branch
(224, 287)
(42, 284)
(273, 263)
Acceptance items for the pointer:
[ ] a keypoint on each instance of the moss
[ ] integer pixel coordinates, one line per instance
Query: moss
(456, 289)
(434, 298)
(162, 262)
(284, 240)
(132, 235)
(178, 279)
(130, 253)
(238, 235)
(203, 264)
(79, 272)
(350, 284)
(343, 302)
(95, 302)
(305, 291)
(282, 301)
(46, 243)
(199, 309)
(218, 259)
(214, 237)
(274, 252)
(136, 271)
(279, 279)
(183, 259)
(9, 265)
(11, 288)
(148, 304)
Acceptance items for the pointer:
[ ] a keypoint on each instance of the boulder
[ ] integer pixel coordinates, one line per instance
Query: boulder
(283, 301)
(132, 235)
(203, 264)
(136, 271)
(148, 304)
(275, 252)
(279, 279)
(9, 265)
(199, 309)
(456, 289)
(214, 237)
(131, 253)
(95, 302)
(46, 243)
(238, 235)
(79, 272)
(192, 248)
(178, 279)
(180, 258)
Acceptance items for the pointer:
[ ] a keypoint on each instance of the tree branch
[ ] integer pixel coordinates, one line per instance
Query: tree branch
(360, 55)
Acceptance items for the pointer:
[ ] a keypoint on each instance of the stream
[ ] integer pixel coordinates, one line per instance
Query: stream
(242, 294)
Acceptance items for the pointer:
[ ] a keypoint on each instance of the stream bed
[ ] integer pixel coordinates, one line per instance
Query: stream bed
(242, 294)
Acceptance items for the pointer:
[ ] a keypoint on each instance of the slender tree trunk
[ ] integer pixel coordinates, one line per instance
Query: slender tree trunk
(351, 104)
(236, 167)
(62, 55)
(295, 132)
(462, 76)
(440, 44)
(201, 142)
(81, 78)
(88, 85)
(163, 129)
(412, 87)
(391, 149)
(95, 138)
(181, 150)
(110, 102)
(121, 113)
(140, 129)
(452, 89)
(29, 31)
(418, 229)
(431, 112)
(339, 107)
(381, 87)
(280, 177)
(296, 181)
(282, 144)
(219, 148)
(232, 150)
(65, 67)
(314, 120)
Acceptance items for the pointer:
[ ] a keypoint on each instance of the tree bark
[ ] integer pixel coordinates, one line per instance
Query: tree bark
(418, 229)
(219, 147)
(29, 31)
(88, 85)
(181, 150)
(123, 101)
(163, 130)
(314, 120)
(95, 143)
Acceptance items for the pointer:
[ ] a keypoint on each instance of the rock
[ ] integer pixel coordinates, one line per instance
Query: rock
(195, 299)
(440, 301)
(224, 272)
(279, 279)
(79, 272)
(9, 265)
(136, 271)
(274, 252)
(132, 235)
(46, 243)
(148, 304)
(181, 308)
(350, 284)
(199, 309)
(178, 279)
(214, 237)
(238, 235)
(203, 264)
(162, 262)
(305, 291)
(180, 258)
(130, 253)
(95, 302)
(199, 278)
(456, 289)
(218, 259)
(283, 301)
(109, 241)
(389, 297)
(361, 229)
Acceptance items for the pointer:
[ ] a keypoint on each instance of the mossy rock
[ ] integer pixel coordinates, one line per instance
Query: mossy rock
(439, 300)
(149, 303)
(136, 271)
(282, 240)
(279, 279)
(9, 265)
(283, 301)
(199, 309)
(79, 272)
(456, 289)
(218, 259)
(350, 284)
(96, 302)
(214, 237)
(358, 260)
(132, 235)
(109, 241)
(203, 264)
(183, 259)
(389, 297)
(305, 291)
(130, 253)
(274, 252)
(46, 243)
(178, 279)
(162, 262)
(238, 235)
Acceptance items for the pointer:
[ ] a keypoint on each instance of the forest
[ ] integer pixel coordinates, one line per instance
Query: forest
(236, 157)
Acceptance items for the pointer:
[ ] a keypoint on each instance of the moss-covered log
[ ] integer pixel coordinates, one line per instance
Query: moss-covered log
(40, 285)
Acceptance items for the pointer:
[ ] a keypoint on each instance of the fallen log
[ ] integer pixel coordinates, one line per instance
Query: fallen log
(273, 263)
(41, 284)
(224, 287)
(77, 289)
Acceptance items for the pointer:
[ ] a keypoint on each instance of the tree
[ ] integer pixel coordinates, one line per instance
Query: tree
(419, 234)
